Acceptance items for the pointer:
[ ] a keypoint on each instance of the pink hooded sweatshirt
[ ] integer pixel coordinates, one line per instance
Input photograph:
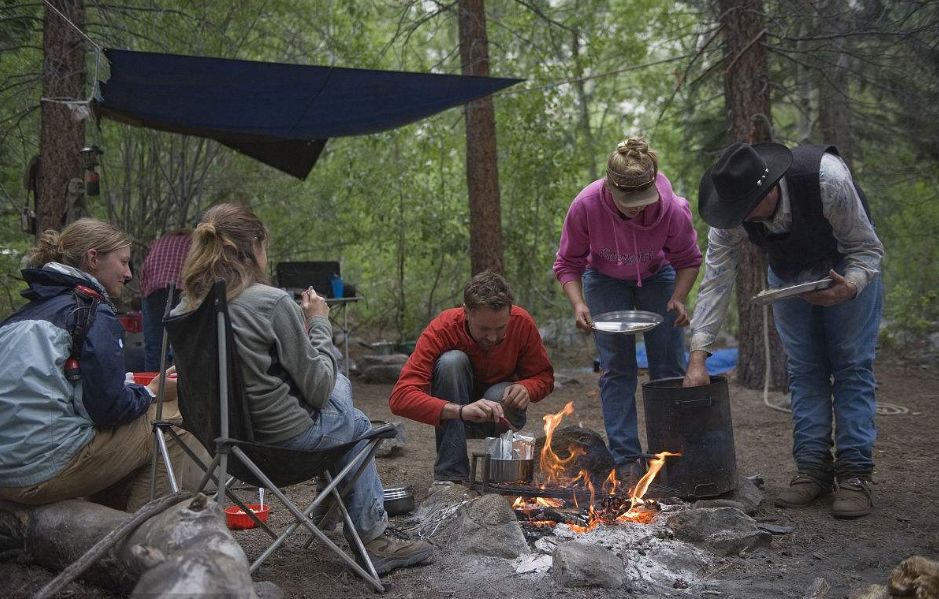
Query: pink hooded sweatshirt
(598, 236)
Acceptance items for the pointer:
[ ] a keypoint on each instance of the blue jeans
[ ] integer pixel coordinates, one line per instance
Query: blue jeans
(337, 423)
(830, 357)
(454, 381)
(152, 308)
(665, 347)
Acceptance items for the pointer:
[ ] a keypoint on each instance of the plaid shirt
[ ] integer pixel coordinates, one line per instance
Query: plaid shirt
(164, 262)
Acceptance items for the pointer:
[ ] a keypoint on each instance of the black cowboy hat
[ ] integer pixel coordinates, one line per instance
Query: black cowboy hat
(736, 183)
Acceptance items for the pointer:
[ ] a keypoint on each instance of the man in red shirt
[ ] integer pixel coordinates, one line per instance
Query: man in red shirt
(474, 370)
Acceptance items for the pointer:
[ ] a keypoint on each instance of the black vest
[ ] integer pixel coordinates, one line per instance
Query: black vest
(809, 243)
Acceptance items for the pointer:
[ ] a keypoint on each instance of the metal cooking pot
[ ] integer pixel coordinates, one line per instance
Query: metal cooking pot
(501, 471)
(399, 500)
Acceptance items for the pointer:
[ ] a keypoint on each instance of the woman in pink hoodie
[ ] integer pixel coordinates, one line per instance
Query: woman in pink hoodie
(628, 243)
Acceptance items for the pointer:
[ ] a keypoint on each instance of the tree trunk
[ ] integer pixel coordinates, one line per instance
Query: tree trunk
(746, 94)
(61, 138)
(482, 169)
(834, 117)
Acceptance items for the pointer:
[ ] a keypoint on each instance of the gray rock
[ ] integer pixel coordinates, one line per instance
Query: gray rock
(747, 498)
(578, 564)
(732, 542)
(722, 530)
(266, 589)
(489, 527)
(381, 374)
(818, 590)
(370, 360)
(389, 447)
(714, 503)
(870, 591)
(443, 497)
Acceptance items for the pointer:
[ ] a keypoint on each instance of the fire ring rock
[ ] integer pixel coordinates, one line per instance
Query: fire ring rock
(578, 564)
(490, 527)
(723, 530)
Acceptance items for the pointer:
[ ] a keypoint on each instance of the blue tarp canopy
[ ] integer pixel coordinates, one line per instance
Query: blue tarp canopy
(279, 114)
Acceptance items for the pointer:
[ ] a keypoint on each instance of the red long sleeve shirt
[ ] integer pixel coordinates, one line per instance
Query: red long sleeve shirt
(521, 357)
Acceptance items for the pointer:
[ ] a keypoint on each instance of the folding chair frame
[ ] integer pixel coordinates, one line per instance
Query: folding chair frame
(227, 448)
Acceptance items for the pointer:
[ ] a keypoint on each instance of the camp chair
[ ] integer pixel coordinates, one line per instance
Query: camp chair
(214, 406)
(159, 438)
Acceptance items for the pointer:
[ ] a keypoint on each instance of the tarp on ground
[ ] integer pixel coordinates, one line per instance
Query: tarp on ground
(279, 114)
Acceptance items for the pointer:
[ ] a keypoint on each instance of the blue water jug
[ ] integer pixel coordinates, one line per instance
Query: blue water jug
(337, 286)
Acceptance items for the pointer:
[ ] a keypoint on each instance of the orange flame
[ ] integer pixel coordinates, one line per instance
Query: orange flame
(554, 468)
(551, 464)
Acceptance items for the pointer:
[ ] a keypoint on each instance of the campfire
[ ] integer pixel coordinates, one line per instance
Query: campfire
(608, 503)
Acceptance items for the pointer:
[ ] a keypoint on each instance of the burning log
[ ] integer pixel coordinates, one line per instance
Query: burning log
(547, 514)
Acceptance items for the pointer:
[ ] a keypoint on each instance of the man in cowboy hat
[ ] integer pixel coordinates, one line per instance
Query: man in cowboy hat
(804, 210)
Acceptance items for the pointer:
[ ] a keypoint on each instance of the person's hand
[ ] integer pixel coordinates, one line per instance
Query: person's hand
(582, 317)
(516, 397)
(313, 305)
(841, 290)
(697, 373)
(681, 315)
(169, 387)
(483, 410)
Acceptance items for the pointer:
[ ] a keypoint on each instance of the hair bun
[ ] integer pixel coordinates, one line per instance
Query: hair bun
(207, 229)
(632, 144)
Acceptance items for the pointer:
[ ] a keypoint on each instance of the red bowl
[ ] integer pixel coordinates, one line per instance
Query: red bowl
(144, 378)
(239, 520)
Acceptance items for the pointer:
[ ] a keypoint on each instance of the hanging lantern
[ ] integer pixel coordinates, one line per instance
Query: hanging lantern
(92, 179)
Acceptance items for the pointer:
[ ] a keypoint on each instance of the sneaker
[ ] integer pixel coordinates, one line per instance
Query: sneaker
(388, 554)
(803, 491)
(853, 498)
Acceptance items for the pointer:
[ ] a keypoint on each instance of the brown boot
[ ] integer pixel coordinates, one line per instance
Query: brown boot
(388, 554)
(853, 498)
(802, 491)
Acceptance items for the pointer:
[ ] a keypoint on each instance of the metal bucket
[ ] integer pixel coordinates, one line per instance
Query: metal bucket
(695, 421)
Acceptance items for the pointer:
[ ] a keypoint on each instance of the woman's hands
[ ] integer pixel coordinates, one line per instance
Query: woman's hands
(169, 387)
(582, 317)
(313, 305)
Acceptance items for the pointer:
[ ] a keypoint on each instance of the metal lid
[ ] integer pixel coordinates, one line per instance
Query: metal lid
(398, 492)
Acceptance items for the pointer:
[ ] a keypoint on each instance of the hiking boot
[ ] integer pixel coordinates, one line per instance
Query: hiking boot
(325, 517)
(388, 554)
(853, 498)
(803, 491)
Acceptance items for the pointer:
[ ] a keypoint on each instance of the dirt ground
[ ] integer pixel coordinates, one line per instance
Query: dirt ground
(848, 554)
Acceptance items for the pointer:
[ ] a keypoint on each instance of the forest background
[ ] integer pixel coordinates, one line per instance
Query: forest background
(392, 207)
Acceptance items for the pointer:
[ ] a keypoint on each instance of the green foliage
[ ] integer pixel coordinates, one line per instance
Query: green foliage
(393, 206)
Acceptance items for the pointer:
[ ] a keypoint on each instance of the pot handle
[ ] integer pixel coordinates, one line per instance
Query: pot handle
(704, 402)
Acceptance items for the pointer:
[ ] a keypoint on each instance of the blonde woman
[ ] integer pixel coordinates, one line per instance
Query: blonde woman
(72, 427)
(628, 243)
(296, 397)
